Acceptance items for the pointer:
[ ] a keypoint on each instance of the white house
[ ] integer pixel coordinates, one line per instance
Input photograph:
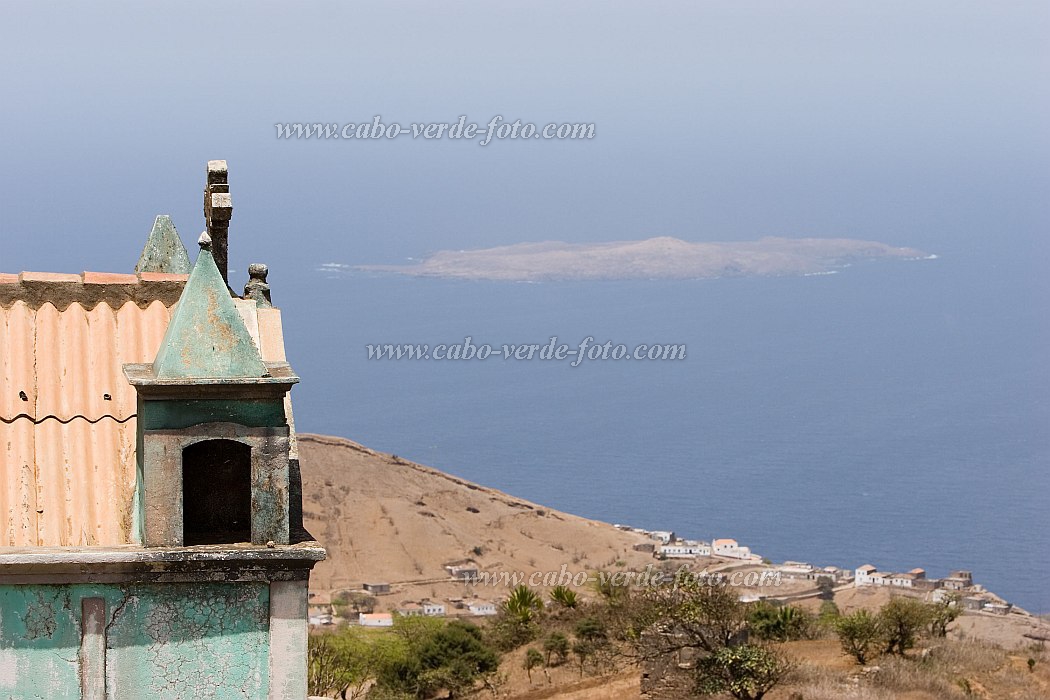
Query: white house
(730, 549)
(432, 609)
(868, 575)
(375, 619)
(685, 550)
(320, 619)
(958, 581)
(464, 571)
(862, 576)
(793, 570)
(880, 578)
(319, 610)
(997, 608)
(376, 587)
(664, 536)
(907, 580)
(481, 607)
(834, 572)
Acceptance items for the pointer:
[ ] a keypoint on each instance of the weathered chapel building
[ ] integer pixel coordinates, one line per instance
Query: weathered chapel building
(151, 539)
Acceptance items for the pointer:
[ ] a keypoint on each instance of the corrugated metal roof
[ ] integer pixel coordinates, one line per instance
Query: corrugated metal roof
(67, 414)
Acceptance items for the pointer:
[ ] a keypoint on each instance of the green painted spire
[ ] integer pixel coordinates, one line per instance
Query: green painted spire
(164, 251)
(206, 338)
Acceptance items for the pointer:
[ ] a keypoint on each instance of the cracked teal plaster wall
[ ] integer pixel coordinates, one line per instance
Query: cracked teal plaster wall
(179, 640)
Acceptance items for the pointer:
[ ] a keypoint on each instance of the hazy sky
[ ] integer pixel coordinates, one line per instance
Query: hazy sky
(920, 124)
(914, 123)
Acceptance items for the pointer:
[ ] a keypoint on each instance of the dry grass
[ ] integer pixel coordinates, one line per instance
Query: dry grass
(948, 669)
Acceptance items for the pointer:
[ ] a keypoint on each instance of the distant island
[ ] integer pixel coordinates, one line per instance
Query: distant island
(656, 258)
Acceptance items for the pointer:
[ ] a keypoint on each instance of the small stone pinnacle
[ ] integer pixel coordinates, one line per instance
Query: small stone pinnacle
(258, 271)
(204, 241)
(257, 288)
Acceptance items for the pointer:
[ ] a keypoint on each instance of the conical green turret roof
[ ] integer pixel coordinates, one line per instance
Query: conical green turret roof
(163, 251)
(206, 338)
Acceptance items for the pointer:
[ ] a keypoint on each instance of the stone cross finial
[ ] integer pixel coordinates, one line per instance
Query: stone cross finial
(257, 288)
(218, 210)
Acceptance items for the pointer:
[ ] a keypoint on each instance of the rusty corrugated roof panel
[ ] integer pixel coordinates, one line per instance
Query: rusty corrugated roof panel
(18, 485)
(85, 478)
(67, 414)
(17, 373)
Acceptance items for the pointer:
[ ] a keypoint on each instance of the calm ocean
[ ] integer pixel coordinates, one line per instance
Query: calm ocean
(895, 413)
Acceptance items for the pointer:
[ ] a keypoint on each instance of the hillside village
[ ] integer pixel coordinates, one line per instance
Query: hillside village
(477, 589)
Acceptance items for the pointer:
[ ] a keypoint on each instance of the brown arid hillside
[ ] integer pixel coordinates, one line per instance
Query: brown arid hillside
(385, 519)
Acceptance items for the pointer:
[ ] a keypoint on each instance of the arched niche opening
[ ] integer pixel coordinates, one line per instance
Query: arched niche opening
(216, 492)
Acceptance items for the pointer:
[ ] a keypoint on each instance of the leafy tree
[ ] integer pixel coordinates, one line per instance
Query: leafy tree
(362, 602)
(704, 614)
(533, 659)
(556, 644)
(564, 596)
(508, 632)
(330, 667)
(941, 615)
(346, 662)
(349, 603)
(746, 671)
(453, 658)
(416, 630)
(859, 633)
(902, 619)
(432, 655)
(590, 628)
(691, 613)
(583, 649)
(826, 586)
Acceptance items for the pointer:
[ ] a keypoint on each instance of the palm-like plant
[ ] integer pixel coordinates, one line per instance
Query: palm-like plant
(778, 624)
(564, 596)
(523, 604)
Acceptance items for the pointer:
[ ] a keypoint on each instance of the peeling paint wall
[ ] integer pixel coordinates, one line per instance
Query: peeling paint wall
(39, 639)
(181, 640)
